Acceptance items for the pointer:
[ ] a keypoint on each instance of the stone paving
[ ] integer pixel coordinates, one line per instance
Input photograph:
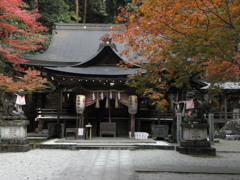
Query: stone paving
(99, 165)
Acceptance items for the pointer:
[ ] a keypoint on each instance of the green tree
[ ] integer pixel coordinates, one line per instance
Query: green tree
(56, 11)
(112, 9)
(99, 11)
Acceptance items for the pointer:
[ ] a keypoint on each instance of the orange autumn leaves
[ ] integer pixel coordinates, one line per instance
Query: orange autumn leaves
(206, 31)
(31, 81)
(190, 39)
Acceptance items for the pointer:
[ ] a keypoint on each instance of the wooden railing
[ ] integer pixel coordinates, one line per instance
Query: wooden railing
(53, 113)
(222, 117)
(154, 113)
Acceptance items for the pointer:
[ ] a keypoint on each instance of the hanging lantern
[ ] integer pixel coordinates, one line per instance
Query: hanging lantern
(80, 103)
(97, 102)
(133, 104)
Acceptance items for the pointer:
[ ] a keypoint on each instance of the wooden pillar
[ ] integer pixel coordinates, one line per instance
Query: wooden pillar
(109, 111)
(59, 104)
(132, 121)
(77, 121)
(80, 123)
(158, 114)
(139, 125)
(225, 108)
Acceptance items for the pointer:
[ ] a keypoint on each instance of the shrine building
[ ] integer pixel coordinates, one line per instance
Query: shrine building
(91, 88)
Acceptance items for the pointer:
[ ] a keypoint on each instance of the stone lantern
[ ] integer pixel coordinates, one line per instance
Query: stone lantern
(14, 125)
(194, 126)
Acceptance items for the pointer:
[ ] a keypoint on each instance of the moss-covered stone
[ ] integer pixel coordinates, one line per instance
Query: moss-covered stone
(207, 151)
(14, 148)
(14, 123)
(14, 141)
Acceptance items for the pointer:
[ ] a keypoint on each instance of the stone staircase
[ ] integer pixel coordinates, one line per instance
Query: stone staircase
(106, 143)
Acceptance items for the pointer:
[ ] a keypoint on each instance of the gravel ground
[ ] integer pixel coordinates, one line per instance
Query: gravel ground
(160, 160)
(43, 164)
(178, 176)
(170, 165)
(33, 165)
(227, 146)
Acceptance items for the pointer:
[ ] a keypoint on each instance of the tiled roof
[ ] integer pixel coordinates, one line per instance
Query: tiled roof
(73, 44)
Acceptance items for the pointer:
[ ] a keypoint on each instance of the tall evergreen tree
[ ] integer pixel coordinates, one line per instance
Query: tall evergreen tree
(56, 11)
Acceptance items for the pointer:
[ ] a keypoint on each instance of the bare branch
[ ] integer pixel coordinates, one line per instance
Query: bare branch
(217, 15)
(208, 21)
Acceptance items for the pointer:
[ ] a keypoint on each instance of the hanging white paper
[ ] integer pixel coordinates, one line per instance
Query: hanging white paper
(80, 131)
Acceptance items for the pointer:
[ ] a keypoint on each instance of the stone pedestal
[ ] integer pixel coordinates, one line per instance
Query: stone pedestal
(194, 140)
(14, 136)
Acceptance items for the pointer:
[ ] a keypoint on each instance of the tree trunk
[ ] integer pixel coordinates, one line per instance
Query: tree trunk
(77, 8)
(85, 11)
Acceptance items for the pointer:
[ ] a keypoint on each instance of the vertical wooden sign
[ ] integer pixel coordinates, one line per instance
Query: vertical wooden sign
(179, 129)
(211, 127)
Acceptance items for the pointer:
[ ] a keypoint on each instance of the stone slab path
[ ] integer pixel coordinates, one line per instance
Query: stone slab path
(99, 165)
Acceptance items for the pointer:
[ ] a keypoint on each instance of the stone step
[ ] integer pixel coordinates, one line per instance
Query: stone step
(37, 135)
(36, 138)
(14, 147)
(120, 143)
(108, 146)
(78, 147)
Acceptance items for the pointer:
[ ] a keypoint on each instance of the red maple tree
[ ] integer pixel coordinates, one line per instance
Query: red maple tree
(19, 33)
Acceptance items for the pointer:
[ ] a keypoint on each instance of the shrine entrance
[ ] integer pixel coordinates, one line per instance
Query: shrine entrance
(107, 112)
(120, 116)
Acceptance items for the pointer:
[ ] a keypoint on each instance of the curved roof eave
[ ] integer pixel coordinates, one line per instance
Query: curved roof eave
(100, 50)
(97, 71)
